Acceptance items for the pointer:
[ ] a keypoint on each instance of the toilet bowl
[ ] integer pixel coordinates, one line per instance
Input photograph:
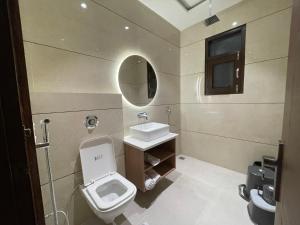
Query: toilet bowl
(106, 191)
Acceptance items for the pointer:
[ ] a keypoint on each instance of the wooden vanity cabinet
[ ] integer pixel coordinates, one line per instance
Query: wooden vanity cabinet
(136, 166)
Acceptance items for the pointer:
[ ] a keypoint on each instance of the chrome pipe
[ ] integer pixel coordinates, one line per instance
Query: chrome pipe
(44, 124)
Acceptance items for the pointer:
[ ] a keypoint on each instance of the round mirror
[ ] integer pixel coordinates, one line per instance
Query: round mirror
(137, 80)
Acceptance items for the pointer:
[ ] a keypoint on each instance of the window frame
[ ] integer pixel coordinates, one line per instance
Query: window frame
(237, 57)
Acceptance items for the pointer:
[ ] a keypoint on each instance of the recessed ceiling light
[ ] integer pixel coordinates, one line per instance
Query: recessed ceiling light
(234, 23)
(126, 28)
(83, 5)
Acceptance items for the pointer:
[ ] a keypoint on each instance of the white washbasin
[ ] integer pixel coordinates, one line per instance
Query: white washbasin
(149, 131)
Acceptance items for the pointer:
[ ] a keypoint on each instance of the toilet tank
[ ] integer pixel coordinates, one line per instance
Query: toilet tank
(97, 158)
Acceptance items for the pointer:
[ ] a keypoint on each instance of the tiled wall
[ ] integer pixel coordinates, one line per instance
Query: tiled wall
(67, 131)
(71, 50)
(234, 130)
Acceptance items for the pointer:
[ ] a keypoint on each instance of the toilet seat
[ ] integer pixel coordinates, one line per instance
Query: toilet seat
(110, 191)
(106, 191)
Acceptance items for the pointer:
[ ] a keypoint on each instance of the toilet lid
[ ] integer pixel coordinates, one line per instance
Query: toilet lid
(97, 159)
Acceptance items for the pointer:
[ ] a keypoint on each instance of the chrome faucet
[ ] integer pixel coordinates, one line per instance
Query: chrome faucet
(142, 115)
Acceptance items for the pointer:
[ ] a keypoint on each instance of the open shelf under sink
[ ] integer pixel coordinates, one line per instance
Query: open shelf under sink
(162, 154)
(136, 165)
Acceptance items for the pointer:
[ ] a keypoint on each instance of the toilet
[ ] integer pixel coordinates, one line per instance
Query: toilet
(107, 192)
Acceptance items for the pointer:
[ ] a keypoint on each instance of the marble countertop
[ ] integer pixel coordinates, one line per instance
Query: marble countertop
(145, 145)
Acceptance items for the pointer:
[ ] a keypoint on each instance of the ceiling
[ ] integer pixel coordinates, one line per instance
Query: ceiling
(177, 15)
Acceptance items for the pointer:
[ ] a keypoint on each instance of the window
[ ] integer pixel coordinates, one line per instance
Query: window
(225, 62)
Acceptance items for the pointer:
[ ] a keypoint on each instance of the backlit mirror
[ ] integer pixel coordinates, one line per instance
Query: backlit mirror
(137, 80)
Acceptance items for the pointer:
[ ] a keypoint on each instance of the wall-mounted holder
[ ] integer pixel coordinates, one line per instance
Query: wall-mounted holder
(91, 122)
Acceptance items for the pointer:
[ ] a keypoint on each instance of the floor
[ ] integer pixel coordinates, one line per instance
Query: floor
(196, 193)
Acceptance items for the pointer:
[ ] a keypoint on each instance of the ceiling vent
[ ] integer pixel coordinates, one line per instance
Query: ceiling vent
(211, 20)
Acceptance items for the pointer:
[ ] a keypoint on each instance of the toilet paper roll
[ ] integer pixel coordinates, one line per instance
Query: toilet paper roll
(153, 175)
(149, 183)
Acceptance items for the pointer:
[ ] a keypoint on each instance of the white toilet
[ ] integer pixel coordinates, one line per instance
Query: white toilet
(107, 192)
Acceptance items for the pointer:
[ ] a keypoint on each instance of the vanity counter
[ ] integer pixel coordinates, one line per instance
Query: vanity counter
(146, 145)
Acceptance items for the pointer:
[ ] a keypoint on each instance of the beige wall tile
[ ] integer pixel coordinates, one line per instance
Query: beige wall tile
(167, 90)
(46, 199)
(156, 114)
(192, 58)
(47, 204)
(255, 115)
(242, 13)
(28, 62)
(138, 13)
(42, 165)
(121, 164)
(268, 38)
(226, 152)
(190, 88)
(54, 70)
(174, 116)
(65, 102)
(178, 143)
(264, 82)
(254, 122)
(57, 70)
(66, 65)
(72, 50)
(264, 41)
(67, 27)
(167, 96)
(67, 130)
(84, 54)
(70, 199)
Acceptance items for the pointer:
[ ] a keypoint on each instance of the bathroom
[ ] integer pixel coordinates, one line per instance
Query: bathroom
(99, 71)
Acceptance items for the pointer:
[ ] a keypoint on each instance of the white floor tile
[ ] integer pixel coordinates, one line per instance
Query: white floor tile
(196, 193)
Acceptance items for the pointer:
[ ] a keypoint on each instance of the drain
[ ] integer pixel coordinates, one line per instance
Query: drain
(181, 157)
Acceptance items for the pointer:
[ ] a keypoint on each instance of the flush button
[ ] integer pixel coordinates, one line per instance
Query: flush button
(97, 157)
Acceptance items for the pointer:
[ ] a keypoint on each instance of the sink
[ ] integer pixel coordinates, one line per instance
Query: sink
(149, 131)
